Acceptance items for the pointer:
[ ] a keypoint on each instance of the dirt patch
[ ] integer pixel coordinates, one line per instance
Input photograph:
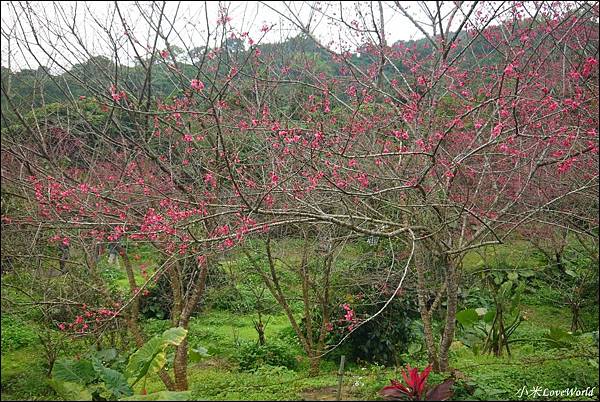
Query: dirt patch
(215, 362)
(324, 394)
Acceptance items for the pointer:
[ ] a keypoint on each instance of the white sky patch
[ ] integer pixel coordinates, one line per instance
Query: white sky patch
(71, 31)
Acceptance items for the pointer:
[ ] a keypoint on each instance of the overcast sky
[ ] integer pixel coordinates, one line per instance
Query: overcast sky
(191, 22)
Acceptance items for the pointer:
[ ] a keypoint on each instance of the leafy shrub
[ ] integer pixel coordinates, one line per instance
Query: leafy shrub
(252, 355)
(380, 340)
(203, 334)
(158, 300)
(16, 334)
(229, 298)
(473, 296)
(90, 379)
(287, 336)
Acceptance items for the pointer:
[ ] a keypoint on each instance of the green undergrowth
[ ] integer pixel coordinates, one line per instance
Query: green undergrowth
(24, 375)
(501, 378)
(518, 254)
(227, 335)
(223, 332)
(218, 377)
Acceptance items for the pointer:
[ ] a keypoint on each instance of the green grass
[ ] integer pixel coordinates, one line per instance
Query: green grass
(267, 383)
(533, 362)
(518, 253)
(16, 333)
(221, 332)
(542, 317)
(501, 377)
(24, 375)
(218, 378)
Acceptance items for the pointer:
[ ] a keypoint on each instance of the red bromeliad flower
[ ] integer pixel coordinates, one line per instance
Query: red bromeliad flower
(415, 387)
(415, 382)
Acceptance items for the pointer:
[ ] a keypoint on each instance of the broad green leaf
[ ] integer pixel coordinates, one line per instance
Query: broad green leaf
(467, 317)
(570, 272)
(198, 354)
(70, 391)
(526, 273)
(489, 316)
(174, 336)
(513, 276)
(558, 337)
(106, 355)
(149, 358)
(115, 382)
(558, 334)
(99, 390)
(161, 396)
(81, 371)
(498, 277)
(414, 347)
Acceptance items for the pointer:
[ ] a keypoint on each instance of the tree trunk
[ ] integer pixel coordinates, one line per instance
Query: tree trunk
(559, 261)
(180, 366)
(260, 329)
(64, 257)
(426, 315)
(180, 362)
(575, 317)
(451, 305)
(176, 287)
(132, 319)
(261, 335)
(315, 361)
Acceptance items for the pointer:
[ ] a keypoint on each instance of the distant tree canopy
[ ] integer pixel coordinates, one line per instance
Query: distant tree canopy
(31, 88)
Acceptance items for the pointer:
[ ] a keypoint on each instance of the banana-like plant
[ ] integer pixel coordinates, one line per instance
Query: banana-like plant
(492, 328)
(87, 380)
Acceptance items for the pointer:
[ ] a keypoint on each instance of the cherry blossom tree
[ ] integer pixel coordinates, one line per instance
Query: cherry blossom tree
(487, 125)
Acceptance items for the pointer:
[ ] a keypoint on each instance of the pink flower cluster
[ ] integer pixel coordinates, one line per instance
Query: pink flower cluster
(117, 95)
(65, 241)
(588, 67)
(400, 134)
(197, 85)
(349, 316)
(82, 322)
